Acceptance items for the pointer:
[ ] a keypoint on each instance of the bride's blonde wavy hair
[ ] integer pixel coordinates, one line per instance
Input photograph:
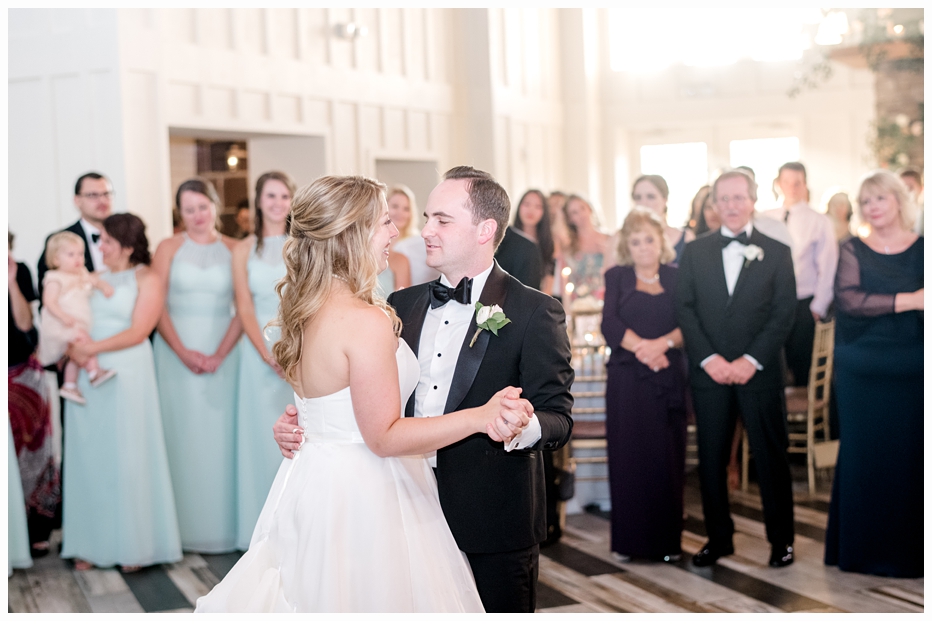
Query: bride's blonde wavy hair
(332, 223)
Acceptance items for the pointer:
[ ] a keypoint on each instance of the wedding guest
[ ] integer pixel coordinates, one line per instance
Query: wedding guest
(243, 220)
(520, 253)
(539, 230)
(119, 508)
(587, 253)
(707, 219)
(402, 208)
(645, 394)
(66, 310)
(29, 411)
(815, 256)
(839, 212)
(197, 367)
(398, 273)
(93, 194)
(561, 239)
(651, 191)
(913, 181)
(257, 268)
(733, 341)
(875, 520)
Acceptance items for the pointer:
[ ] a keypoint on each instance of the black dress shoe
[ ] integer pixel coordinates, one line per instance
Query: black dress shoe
(709, 555)
(781, 555)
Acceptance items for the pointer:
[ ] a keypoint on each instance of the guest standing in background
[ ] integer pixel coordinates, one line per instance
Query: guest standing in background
(912, 179)
(587, 252)
(28, 408)
(561, 239)
(839, 212)
(875, 521)
(520, 253)
(257, 268)
(651, 191)
(119, 508)
(815, 256)
(402, 208)
(735, 302)
(398, 273)
(197, 366)
(707, 219)
(645, 394)
(540, 231)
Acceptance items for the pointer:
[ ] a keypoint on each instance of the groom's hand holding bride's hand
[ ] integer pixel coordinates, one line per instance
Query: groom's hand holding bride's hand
(514, 414)
(288, 435)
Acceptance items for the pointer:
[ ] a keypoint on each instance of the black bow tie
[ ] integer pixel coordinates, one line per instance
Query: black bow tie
(95, 237)
(440, 294)
(741, 238)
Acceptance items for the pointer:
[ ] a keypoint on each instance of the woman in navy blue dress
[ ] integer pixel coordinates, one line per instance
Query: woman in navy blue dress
(645, 394)
(875, 522)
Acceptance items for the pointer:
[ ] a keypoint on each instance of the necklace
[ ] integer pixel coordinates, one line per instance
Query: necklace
(647, 280)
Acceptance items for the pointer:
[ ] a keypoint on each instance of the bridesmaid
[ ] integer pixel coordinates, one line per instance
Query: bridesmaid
(119, 508)
(257, 268)
(197, 364)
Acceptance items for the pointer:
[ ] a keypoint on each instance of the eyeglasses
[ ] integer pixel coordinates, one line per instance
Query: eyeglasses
(739, 199)
(96, 196)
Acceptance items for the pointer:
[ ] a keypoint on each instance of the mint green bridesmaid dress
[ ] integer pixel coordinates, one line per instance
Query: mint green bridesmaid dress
(199, 410)
(118, 506)
(262, 395)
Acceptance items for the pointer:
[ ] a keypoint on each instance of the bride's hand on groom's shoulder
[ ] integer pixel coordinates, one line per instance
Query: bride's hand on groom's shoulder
(288, 435)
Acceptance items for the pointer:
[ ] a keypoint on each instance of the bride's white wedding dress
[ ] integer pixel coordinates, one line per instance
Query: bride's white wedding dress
(345, 530)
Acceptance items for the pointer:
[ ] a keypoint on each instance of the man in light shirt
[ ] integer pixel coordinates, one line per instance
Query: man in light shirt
(815, 258)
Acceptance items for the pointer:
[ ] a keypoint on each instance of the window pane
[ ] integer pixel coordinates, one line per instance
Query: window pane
(764, 156)
(685, 167)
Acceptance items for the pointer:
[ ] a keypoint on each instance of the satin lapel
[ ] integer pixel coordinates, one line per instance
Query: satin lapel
(467, 365)
(745, 269)
(413, 323)
(718, 271)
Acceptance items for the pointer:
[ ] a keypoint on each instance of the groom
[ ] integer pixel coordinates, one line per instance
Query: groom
(491, 486)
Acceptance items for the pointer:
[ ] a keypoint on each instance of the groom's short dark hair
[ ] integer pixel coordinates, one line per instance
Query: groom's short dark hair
(487, 198)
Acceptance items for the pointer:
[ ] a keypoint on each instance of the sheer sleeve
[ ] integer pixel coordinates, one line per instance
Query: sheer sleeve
(850, 298)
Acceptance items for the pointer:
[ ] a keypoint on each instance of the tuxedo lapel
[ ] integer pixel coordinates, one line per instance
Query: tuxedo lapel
(413, 323)
(79, 230)
(470, 358)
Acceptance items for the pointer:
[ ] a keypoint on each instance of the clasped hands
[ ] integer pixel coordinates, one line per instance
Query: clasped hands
(652, 353)
(510, 413)
(198, 362)
(737, 372)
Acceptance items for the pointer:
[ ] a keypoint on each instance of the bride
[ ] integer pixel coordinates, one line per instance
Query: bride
(352, 522)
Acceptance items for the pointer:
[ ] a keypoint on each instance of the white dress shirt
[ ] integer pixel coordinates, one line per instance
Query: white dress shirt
(442, 337)
(96, 255)
(815, 253)
(732, 259)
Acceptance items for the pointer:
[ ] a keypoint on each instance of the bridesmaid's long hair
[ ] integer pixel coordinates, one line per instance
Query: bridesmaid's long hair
(332, 223)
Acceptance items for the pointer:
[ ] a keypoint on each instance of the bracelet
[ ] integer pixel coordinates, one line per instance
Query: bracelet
(669, 343)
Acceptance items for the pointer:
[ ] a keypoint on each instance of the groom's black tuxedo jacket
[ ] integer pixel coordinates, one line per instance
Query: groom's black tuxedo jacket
(495, 501)
(755, 319)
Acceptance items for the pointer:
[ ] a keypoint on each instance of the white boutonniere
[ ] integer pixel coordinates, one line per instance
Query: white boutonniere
(752, 252)
(491, 318)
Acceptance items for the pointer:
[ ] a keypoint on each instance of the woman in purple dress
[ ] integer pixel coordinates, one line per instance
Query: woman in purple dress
(645, 394)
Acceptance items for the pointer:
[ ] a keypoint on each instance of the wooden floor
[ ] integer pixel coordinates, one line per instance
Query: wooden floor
(576, 575)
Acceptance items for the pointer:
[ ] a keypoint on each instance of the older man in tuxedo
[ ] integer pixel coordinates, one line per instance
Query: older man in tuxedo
(491, 488)
(736, 299)
(93, 193)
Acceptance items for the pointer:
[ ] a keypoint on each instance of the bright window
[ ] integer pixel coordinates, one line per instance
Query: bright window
(685, 167)
(764, 156)
(646, 40)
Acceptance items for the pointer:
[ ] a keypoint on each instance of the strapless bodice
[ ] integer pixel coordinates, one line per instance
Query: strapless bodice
(331, 418)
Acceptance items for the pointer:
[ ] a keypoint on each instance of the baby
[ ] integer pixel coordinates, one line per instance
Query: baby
(66, 310)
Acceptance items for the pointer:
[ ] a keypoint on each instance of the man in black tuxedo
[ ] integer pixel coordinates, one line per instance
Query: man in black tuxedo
(736, 301)
(491, 488)
(92, 197)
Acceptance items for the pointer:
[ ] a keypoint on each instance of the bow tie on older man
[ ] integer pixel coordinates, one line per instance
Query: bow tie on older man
(728, 240)
(440, 293)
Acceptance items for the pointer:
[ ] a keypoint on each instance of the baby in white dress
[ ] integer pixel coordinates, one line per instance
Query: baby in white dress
(66, 310)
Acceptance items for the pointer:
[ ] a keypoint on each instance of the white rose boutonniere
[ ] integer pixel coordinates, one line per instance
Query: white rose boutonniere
(491, 318)
(752, 252)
